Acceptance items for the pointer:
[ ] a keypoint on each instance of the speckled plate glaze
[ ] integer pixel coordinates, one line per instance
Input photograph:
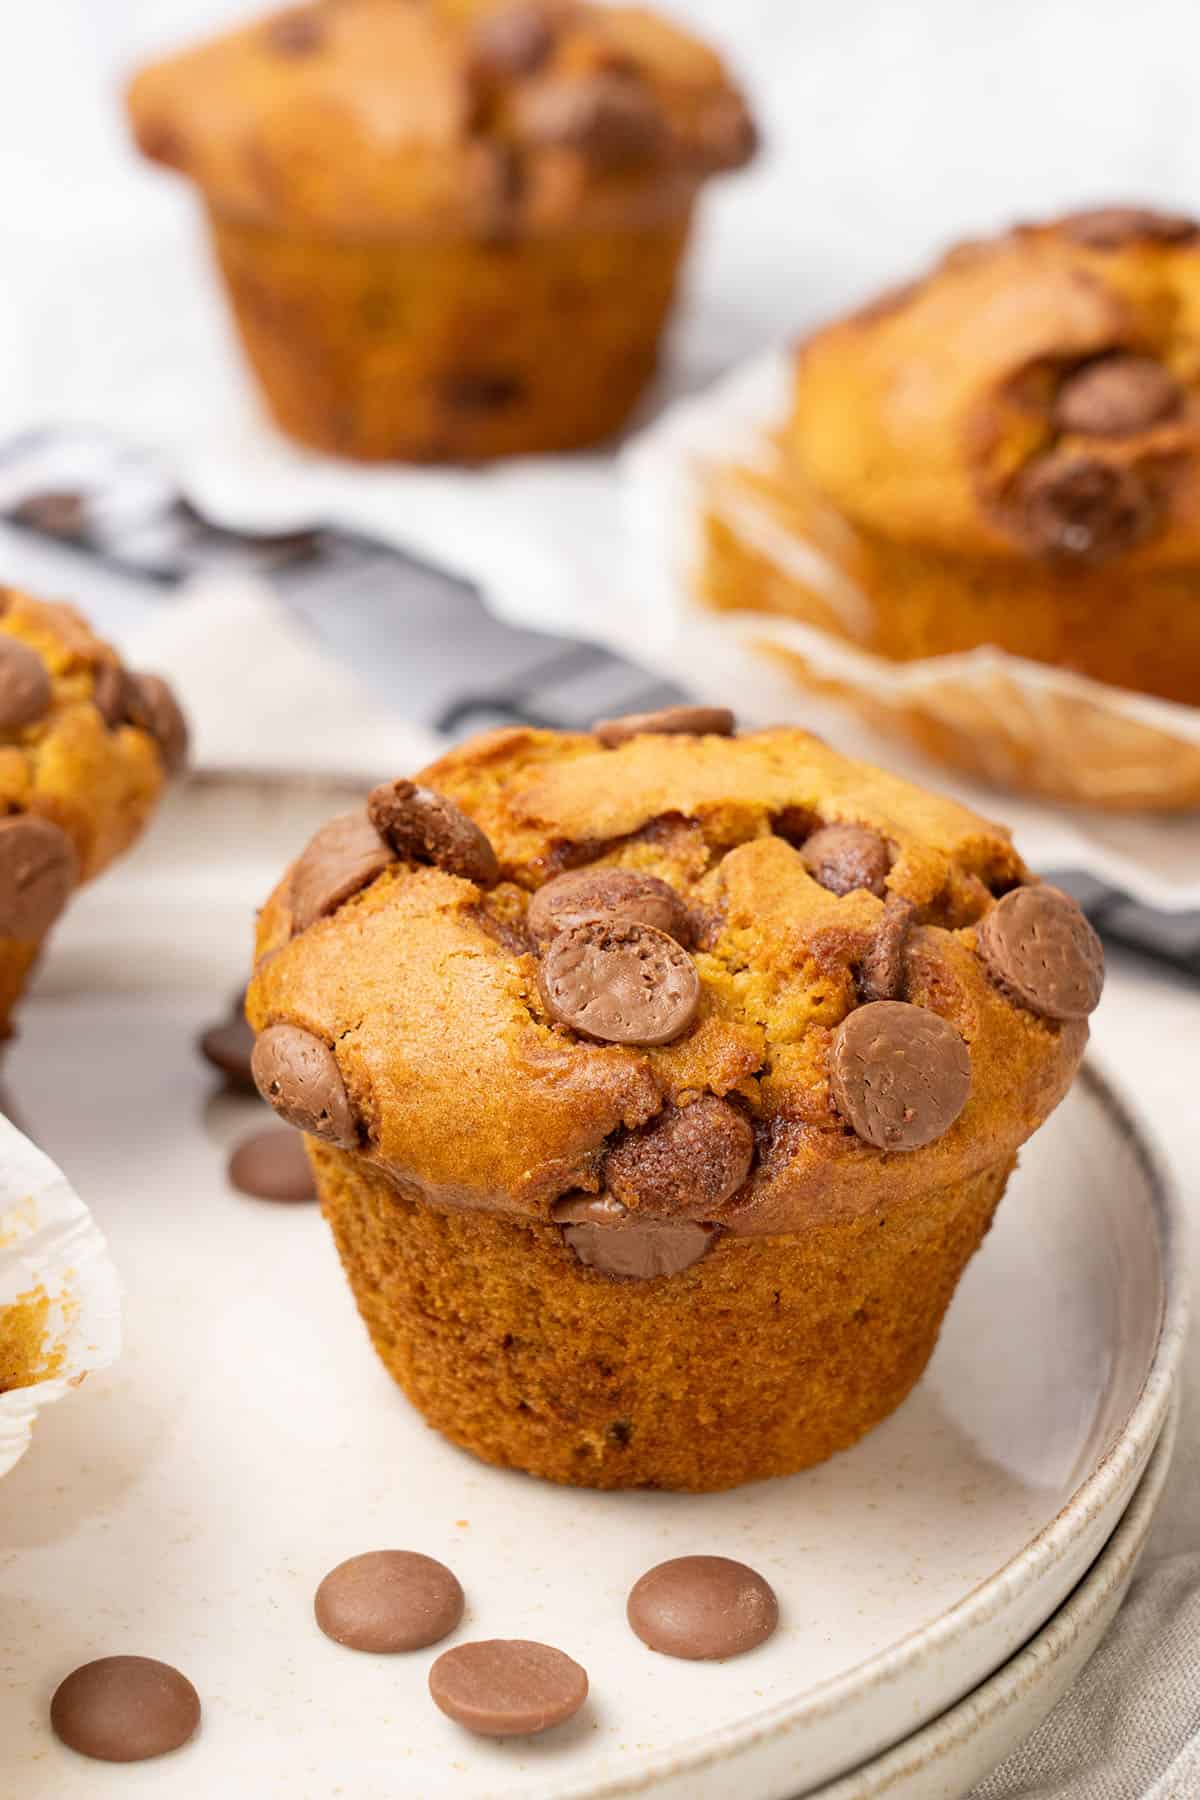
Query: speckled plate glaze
(946, 1759)
(188, 1503)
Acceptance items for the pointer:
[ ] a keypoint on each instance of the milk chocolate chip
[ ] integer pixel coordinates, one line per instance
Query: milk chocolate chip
(1037, 945)
(846, 857)
(425, 827)
(25, 690)
(514, 41)
(344, 857)
(672, 721)
(298, 1075)
(622, 984)
(882, 974)
(110, 694)
(1117, 397)
(507, 1687)
(606, 1237)
(38, 869)
(151, 705)
(229, 1047)
(702, 1607)
(618, 895)
(685, 1163)
(609, 118)
(1113, 227)
(1081, 508)
(389, 1601)
(296, 33)
(125, 1709)
(900, 1075)
(272, 1165)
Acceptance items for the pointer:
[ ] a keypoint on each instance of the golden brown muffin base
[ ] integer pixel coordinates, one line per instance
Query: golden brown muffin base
(434, 350)
(764, 1358)
(1131, 627)
(1138, 632)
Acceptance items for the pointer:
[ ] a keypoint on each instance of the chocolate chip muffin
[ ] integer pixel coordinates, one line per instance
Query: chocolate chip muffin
(660, 1082)
(1014, 444)
(450, 229)
(84, 748)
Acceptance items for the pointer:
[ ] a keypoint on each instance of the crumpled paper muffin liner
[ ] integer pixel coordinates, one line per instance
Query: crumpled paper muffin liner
(1012, 722)
(60, 1298)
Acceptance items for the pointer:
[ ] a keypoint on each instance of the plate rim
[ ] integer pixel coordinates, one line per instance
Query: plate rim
(1117, 1561)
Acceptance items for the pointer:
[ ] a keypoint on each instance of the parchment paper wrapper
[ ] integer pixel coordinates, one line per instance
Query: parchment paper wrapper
(60, 1303)
(1011, 722)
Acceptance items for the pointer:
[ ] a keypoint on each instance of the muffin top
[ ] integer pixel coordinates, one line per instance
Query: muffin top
(1035, 395)
(84, 747)
(663, 970)
(368, 118)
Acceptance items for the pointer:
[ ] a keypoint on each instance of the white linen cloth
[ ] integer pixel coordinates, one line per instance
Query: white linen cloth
(893, 129)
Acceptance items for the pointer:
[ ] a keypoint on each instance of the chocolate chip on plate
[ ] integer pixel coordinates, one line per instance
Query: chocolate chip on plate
(900, 1074)
(619, 895)
(342, 858)
(38, 869)
(672, 721)
(298, 1075)
(882, 973)
(1081, 508)
(422, 826)
(1117, 396)
(125, 1709)
(229, 1047)
(151, 705)
(25, 689)
(272, 1165)
(685, 1163)
(702, 1608)
(622, 984)
(1037, 945)
(507, 1687)
(388, 1601)
(844, 858)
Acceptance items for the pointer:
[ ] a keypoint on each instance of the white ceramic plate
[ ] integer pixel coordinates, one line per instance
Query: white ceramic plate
(947, 1758)
(191, 1500)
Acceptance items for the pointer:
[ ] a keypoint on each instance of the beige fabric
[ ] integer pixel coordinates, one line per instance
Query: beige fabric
(1130, 1727)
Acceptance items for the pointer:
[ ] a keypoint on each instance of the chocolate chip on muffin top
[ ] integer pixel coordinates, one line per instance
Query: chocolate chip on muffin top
(623, 984)
(655, 1016)
(620, 895)
(25, 688)
(344, 856)
(424, 826)
(1037, 944)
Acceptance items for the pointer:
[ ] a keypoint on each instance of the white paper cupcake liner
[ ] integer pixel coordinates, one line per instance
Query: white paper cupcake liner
(1049, 737)
(59, 1292)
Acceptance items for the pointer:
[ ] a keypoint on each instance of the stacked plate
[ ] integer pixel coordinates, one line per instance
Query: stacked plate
(940, 1584)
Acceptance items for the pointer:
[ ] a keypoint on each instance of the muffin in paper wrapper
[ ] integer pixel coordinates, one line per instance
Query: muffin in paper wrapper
(60, 1303)
(735, 561)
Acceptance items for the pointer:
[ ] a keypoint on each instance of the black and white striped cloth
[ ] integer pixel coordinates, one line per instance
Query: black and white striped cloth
(417, 634)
